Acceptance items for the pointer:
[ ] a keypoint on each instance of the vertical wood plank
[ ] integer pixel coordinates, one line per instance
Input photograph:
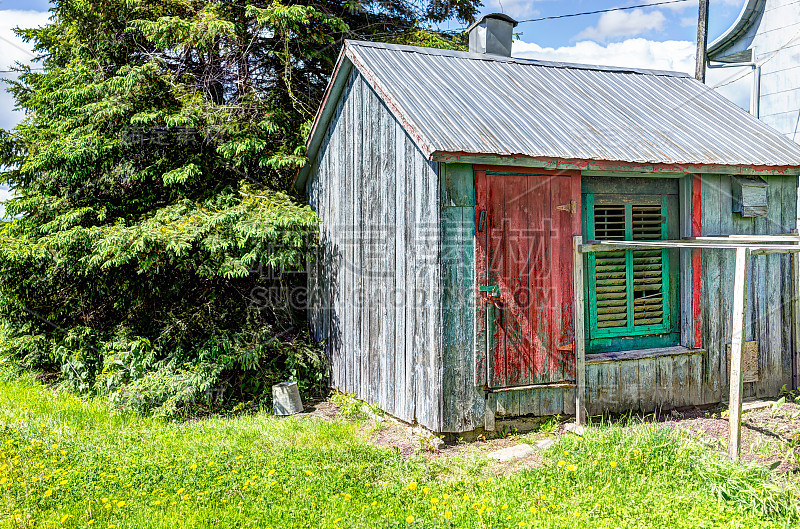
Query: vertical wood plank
(403, 382)
(647, 384)
(711, 290)
(412, 304)
(627, 390)
(681, 381)
(737, 351)
(580, 342)
(664, 382)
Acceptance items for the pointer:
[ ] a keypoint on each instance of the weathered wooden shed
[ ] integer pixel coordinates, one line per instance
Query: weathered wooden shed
(450, 186)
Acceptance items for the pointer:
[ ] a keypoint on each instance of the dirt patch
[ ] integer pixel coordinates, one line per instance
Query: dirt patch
(415, 442)
(770, 437)
(411, 441)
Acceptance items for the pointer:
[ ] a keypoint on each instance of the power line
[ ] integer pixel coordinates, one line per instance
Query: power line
(603, 11)
(568, 15)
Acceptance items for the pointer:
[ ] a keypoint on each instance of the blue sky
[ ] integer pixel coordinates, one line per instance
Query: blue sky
(659, 37)
(677, 21)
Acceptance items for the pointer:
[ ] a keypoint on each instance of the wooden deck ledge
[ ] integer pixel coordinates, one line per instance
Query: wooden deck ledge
(638, 354)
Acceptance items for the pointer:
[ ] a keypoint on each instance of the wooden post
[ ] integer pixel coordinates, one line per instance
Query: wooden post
(702, 41)
(577, 319)
(737, 350)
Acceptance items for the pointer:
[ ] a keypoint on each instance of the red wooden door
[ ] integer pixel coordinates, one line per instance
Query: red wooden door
(525, 220)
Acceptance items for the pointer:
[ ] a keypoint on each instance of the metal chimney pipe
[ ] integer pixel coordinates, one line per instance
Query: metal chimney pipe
(492, 34)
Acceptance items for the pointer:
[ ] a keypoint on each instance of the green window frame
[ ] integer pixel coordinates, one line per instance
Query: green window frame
(629, 291)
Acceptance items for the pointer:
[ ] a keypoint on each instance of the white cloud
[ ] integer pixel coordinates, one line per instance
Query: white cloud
(14, 50)
(5, 194)
(519, 9)
(674, 55)
(623, 24)
(677, 55)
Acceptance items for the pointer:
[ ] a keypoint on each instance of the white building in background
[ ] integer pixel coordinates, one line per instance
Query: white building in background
(766, 37)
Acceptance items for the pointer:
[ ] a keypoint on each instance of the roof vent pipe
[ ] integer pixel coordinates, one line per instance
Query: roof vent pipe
(492, 34)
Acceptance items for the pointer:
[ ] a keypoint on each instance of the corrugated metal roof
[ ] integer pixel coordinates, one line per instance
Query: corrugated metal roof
(456, 102)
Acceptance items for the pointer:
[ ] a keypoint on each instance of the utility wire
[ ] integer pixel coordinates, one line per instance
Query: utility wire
(603, 11)
(585, 13)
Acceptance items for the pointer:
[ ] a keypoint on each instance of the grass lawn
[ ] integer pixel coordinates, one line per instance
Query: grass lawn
(75, 463)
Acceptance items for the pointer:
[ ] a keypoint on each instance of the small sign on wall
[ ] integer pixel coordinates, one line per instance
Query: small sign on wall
(750, 361)
(749, 196)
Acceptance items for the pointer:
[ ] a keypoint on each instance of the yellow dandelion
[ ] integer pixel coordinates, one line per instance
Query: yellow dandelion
(347, 497)
(176, 503)
(613, 464)
(194, 466)
(504, 507)
(409, 519)
(562, 463)
(532, 510)
(271, 472)
(120, 504)
(445, 496)
(308, 473)
(90, 522)
(180, 490)
(521, 524)
(434, 500)
(572, 468)
(65, 518)
(566, 452)
(426, 490)
(107, 506)
(412, 485)
(48, 493)
(337, 520)
(3, 481)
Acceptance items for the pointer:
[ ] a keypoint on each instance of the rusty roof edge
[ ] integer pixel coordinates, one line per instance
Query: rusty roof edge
(323, 116)
(517, 60)
(551, 163)
(746, 17)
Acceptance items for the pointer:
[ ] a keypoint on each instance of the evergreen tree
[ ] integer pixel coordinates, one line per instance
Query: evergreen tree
(145, 255)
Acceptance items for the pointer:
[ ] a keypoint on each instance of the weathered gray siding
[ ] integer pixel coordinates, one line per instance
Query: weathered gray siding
(375, 292)
(769, 318)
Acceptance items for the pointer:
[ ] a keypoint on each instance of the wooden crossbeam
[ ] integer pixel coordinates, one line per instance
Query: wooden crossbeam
(745, 246)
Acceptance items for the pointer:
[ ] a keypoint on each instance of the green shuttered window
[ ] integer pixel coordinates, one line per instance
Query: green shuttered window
(629, 290)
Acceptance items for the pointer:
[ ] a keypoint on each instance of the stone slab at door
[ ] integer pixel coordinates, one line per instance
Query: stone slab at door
(524, 223)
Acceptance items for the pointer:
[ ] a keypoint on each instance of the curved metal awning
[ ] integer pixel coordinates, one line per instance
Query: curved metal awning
(751, 10)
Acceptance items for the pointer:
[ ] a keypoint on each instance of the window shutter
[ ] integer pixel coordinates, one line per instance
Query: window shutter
(610, 269)
(648, 267)
(629, 286)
